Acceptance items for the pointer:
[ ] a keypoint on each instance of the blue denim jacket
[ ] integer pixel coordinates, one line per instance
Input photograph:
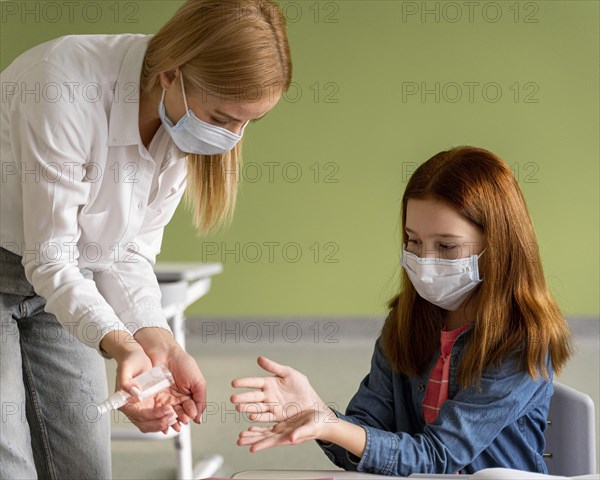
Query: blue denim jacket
(501, 425)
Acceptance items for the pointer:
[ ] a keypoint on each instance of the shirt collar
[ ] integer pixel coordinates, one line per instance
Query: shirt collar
(123, 126)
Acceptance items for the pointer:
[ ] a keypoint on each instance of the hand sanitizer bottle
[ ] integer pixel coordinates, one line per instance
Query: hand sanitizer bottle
(151, 382)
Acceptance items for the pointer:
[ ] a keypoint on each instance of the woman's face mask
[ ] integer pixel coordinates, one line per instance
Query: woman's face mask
(192, 135)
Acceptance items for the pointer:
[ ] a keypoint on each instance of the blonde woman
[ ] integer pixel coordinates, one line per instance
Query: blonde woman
(101, 136)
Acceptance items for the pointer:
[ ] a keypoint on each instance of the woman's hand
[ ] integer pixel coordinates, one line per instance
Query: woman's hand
(149, 415)
(189, 391)
(153, 414)
(284, 395)
(308, 425)
(190, 386)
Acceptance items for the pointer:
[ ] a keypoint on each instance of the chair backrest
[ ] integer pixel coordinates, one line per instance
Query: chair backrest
(570, 435)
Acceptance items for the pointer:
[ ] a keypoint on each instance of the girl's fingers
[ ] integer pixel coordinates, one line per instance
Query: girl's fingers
(269, 442)
(244, 441)
(273, 367)
(256, 396)
(249, 382)
(247, 434)
(253, 407)
(255, 428)
(262, 417)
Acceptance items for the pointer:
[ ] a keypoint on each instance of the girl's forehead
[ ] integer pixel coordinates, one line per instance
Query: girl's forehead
(430, 217)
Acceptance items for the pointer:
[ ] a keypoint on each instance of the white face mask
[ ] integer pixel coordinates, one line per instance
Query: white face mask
(445, 283)
(192, 135)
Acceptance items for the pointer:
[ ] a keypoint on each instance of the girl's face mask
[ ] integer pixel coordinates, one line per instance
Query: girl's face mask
(445, 283)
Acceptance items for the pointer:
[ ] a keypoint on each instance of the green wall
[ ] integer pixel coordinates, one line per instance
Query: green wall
(357, 123)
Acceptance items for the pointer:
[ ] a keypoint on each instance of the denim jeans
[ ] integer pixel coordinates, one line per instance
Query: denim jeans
(50, 384)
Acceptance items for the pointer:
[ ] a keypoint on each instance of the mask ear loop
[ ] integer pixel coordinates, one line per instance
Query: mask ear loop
(187, 109)
(241, 134)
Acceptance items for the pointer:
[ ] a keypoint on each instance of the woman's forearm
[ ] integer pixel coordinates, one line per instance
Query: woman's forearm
(156, 342)
(119, 343)
(345, 434)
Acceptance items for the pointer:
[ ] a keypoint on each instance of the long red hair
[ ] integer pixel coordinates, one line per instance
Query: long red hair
(514, 309)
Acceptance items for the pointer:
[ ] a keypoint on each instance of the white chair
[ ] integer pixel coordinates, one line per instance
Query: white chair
(570, 435)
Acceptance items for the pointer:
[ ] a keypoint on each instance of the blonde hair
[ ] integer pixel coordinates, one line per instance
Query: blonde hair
(235, 49)
(515, 311)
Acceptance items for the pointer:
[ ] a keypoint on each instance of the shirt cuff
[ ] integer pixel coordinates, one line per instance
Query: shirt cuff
(147, 312)
(331, 449)
(380, 452)
(91, 328)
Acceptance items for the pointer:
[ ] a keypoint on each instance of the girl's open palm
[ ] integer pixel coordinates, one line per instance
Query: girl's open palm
(305, 426)
(277, 398)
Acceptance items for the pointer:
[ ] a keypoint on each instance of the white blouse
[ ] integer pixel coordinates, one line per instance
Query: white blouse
(79, 189)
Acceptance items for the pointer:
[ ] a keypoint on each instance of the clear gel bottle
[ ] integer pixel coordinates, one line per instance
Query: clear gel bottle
(151, 382)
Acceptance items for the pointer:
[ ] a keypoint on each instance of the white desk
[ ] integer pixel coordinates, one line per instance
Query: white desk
(305, 475)
(486, 474)
(181, 284)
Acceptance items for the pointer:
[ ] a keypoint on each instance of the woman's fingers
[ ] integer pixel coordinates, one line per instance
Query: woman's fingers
(182, 417)
(147, 422)
(190, 410)
(129, 367)
(141, 412)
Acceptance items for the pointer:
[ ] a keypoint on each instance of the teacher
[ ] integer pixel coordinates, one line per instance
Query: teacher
(101, 135)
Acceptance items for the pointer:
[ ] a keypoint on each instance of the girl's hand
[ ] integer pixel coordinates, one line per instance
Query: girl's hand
(284, 395)
(308, 425)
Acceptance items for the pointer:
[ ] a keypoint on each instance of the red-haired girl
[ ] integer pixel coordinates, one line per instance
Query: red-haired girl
(461, 375)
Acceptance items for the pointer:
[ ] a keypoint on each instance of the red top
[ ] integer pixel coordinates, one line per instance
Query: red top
(437, 387)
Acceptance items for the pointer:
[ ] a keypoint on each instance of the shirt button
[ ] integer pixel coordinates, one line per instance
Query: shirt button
(421, 387)
(140, 205)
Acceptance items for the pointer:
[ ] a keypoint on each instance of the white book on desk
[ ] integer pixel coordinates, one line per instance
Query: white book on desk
(503, 474)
